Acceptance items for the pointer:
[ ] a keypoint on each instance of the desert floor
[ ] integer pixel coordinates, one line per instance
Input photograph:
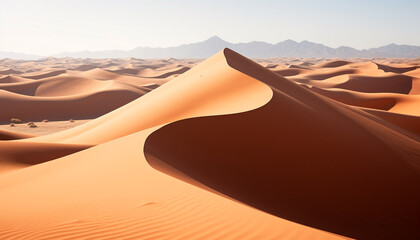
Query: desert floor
(222, 148)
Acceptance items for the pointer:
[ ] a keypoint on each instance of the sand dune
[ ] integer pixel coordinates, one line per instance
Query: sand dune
(138, 202)
(44, 127)
(12, 135)
(163, 73)
(86, 67)
(56, 95)
(198, 90)
(15, 155)
(12, 79)
(407, 122)
(396, 68)
(44, 74)
(290, 72)
(56, 86)
(333, 64)
(382, 101)
(9, 71)
(29, 108)
(310, 170)
(100, 74)
(372, 84)
(228, 149)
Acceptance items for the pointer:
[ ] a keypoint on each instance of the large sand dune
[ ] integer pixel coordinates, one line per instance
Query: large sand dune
(226, 149)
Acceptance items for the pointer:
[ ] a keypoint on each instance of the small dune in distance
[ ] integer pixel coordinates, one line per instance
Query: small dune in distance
(227, 147)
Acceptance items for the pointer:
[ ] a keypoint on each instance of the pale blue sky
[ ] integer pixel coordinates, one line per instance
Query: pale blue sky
(50, 26)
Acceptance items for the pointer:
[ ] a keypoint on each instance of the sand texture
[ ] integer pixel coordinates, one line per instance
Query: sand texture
(222, 148)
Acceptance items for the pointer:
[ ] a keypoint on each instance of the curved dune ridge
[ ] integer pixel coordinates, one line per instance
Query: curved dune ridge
(228, 149)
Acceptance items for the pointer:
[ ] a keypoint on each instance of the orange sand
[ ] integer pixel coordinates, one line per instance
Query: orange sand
(226, 149)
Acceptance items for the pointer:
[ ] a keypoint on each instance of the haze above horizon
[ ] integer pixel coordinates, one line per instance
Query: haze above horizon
(54, 26)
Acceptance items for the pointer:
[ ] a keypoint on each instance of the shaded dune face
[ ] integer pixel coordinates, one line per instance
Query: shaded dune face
(9, 135)
(63, 108)
(19, 154)
(384, 102)
(401, 69)
(409, 124)
(393, 83)
(302, 158)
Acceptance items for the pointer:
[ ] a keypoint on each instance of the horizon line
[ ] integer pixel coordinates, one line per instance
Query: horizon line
(212, 37)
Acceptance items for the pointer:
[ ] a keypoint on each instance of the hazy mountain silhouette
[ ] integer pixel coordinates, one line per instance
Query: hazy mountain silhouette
(15, 55)
(256, 49)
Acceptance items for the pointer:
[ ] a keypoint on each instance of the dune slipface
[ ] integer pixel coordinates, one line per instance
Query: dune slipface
(226, 150)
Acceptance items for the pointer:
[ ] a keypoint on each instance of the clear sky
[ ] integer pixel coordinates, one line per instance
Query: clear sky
(51, 26)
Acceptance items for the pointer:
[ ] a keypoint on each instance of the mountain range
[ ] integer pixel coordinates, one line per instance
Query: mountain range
(255, 49)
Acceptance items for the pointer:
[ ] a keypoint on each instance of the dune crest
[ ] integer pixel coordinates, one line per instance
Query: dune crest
(201, 94)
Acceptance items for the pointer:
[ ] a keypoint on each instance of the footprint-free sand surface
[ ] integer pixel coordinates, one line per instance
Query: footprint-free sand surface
(42, 128)
(222, 148)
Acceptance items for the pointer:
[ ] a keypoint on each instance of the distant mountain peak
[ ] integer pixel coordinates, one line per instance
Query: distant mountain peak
(289, 41)
(215, 38)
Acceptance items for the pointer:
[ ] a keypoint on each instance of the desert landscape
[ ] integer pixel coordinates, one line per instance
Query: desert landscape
(221, 148)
